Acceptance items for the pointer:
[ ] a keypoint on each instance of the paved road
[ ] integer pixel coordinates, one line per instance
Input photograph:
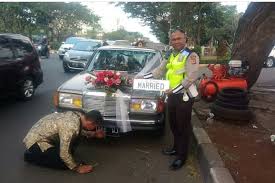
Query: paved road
(133, 158)
(266, 78)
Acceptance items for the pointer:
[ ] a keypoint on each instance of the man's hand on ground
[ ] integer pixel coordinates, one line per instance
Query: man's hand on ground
(84, 169)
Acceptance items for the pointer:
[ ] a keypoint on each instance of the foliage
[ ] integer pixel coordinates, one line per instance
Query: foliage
(122, 34)
(55, 19)
(202, 21)
(197, 49)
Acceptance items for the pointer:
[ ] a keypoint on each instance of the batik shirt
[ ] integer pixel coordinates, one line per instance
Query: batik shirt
(55, 128)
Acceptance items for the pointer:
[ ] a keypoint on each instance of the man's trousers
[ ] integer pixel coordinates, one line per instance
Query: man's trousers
(179, 113)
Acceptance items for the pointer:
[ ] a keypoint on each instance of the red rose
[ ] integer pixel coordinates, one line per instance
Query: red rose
(111, 73)
(116, 77)
(117, 81)
(106, 79)
(110, 83)
(100, 74)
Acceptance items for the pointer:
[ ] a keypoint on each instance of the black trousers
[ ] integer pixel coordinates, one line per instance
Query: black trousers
(179, 113)
(49, 158)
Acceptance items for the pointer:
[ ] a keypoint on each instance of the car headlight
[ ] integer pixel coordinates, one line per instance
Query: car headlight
(39, 47)
(143, 105)
(70, 100)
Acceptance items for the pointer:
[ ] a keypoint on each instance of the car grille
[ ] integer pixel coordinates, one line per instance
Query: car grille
(105, 104)
(76, 64)
(79, 59)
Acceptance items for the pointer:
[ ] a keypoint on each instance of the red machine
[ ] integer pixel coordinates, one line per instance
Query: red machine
(223, 76)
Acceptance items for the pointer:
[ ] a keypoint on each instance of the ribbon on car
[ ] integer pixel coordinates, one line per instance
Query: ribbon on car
(122, 115)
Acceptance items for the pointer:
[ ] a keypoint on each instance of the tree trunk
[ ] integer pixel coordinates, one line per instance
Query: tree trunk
(255, 37)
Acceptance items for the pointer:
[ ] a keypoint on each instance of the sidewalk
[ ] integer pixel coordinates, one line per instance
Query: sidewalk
(245, 150)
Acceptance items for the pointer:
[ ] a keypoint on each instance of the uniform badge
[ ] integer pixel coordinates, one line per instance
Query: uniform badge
(193, 59)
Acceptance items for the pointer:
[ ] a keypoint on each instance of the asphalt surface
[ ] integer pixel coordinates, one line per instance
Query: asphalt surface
(266, 78)
(132, 158)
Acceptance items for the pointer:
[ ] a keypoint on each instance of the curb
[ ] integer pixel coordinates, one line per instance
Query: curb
(211, 164)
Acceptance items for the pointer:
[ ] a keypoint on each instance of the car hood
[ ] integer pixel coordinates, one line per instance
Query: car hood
(66, 46)
(78, 85)
(75, 84)
(80, 55)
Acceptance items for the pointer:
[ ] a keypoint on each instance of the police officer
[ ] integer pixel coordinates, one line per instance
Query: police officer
(181, 70)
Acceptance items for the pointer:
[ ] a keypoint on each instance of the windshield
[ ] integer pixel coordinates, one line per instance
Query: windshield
(73, 40)
(86, 45)
(120, 60)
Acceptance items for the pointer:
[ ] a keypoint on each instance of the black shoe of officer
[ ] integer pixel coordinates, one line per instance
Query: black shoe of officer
(169, 151)
(176, 164)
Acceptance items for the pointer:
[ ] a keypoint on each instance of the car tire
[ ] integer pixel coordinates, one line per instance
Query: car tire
(65, 67)
(270, 62)
(47, 54)
(237, 101)
(231, 105)
(233, 92)
(232, 114)
(27, 89)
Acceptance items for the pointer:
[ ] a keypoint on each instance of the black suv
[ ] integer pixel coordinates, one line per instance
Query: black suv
(20, 70)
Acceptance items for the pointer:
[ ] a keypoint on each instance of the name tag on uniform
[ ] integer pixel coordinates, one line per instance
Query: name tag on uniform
(151, 84)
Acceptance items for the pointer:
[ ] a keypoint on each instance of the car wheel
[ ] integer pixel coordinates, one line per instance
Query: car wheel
(269, 62)
(65, 67)
(27, 89)
(47, 54)
(232, 114)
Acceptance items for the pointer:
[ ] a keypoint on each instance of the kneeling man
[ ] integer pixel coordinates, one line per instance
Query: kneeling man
(51, 141)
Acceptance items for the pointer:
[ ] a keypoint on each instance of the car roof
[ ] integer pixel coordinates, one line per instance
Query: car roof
(15, 36)
(131, 48)
(90, 40)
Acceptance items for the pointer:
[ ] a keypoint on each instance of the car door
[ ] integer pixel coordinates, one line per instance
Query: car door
(7, 63)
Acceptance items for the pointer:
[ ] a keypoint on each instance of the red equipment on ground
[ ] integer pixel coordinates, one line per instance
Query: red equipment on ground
(209, 87)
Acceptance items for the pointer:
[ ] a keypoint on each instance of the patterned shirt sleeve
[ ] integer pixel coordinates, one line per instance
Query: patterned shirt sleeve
(191, 74)
(65, 140)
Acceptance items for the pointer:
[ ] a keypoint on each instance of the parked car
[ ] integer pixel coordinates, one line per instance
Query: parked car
(270, 61)
(68, 44)
(146, 108)
(77, 57)
(20, 70)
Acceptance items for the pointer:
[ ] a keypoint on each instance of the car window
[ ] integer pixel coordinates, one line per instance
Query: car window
(121, 60)
(5, 50)
(21, 48)
(86, 45)
(73, 40)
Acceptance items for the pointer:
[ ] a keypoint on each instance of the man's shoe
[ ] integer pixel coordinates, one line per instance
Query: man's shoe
(169, 151)
(177, 164)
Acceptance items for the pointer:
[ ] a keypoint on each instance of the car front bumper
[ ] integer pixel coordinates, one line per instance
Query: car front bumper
(75, 65)
(139, 122)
